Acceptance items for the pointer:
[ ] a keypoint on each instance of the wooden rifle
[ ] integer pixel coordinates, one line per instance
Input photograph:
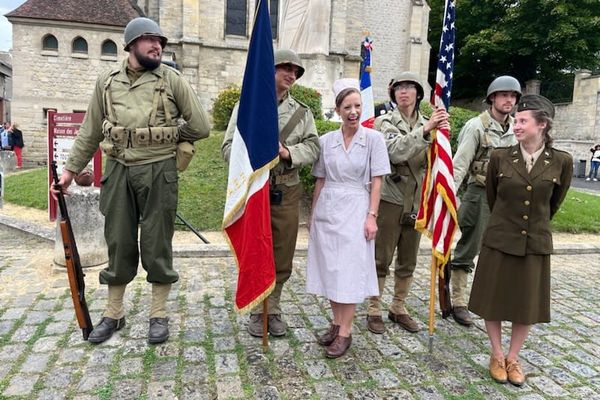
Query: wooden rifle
(72, 262)
(444, 292)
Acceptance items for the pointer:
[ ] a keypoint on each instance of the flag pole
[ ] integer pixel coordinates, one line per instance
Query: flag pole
(432, 300)
(265, 338)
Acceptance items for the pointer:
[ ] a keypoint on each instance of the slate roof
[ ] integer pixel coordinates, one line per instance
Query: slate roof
(98, 12)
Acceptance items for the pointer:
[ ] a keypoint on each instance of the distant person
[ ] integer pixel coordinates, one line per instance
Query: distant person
(343, 224)
(4, 139)
(595, 163)
(526, 184)
(16, 141)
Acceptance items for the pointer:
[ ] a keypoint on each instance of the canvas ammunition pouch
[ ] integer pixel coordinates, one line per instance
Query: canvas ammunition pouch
(118, 137)
(289, 176)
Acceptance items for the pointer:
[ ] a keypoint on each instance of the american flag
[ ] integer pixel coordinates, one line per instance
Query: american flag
(437, 214)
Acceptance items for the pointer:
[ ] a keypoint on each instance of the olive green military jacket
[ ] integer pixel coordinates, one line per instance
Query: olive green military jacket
(133, 104)
(408, 159)
(302, 142)
(521, 203)
(475, 143)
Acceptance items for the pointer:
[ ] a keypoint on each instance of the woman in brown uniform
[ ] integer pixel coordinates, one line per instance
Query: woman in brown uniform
(526, 184)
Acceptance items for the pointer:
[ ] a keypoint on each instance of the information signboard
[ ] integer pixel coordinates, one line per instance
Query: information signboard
(62, 131)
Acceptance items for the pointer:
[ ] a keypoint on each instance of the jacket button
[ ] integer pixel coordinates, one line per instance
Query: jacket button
(523, 233)
(553, 179)
(528, 188)
(525, 217)
(527, 202)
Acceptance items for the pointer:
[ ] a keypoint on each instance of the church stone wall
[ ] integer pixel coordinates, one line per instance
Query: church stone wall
(54, 79)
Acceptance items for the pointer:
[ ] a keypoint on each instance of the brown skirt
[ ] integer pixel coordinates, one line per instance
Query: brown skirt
(511, 288)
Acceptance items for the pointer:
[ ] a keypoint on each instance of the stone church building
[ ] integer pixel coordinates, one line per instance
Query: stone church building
(60, 47)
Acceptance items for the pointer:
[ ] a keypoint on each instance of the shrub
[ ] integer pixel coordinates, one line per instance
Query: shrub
(223, 107)
(310, 97)
(324, 126)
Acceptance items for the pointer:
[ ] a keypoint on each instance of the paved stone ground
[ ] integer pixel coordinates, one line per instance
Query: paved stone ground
(210, 355)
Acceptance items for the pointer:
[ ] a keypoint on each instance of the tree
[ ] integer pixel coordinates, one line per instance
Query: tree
(528, 39)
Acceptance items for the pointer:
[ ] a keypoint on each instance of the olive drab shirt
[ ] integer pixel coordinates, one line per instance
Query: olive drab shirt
(302, 142)
(523, 203)
(133, 104)
(476, 140)
(408, 158)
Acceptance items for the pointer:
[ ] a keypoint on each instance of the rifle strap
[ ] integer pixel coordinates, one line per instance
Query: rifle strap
(291, 124)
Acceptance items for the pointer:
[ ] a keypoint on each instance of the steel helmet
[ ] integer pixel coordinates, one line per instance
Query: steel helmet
(504, 83)
(285, 56)
(142, 26)
(406, 77)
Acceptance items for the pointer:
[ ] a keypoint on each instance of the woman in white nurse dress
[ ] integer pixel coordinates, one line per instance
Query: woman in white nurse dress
(341, 251)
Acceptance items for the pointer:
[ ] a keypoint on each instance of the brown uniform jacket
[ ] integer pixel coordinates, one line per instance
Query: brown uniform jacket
(521, 203)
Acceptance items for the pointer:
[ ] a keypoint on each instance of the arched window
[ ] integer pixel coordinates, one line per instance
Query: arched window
(80, 45)
(49, 42)
(109, 48)
(235, 17)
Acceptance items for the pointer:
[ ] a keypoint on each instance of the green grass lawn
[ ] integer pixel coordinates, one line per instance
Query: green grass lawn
(202, 193)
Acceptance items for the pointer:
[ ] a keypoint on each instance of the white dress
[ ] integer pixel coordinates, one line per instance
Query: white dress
(341, 262)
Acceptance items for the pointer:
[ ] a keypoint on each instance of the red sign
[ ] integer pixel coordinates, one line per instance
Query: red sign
(62, 131)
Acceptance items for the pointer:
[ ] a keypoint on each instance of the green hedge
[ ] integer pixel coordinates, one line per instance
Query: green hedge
(225, 101)
(223, 107)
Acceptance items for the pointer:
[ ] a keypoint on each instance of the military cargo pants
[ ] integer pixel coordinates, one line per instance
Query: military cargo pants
(392, 236)
(285, 218)
(145, 196)
(473, 215)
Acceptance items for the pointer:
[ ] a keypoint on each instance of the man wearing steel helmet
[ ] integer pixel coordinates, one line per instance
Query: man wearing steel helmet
(139, 114)
(480, 135)
(298, 146)
(407, 135)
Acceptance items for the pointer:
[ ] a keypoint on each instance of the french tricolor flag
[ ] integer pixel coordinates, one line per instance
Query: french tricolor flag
(367, 117)
(254, 151)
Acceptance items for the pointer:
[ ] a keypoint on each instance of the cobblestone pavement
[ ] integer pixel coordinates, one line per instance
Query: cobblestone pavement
(210, 355)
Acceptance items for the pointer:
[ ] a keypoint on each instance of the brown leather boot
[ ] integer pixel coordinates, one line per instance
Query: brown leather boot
(498, 369)
(375, 324)
(328, 337)
(339, 346)
(515, 372)
(405, 321)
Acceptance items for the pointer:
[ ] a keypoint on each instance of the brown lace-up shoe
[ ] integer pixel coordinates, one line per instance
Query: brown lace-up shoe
(328, 337)
(405, 321)
(515, 372)
(255, 325)
(498, 369)
(462, 316)
(375, 324)
(338, 348)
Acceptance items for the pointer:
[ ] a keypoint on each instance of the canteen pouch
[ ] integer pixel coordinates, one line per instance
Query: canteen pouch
(275, 196)
(183, 156)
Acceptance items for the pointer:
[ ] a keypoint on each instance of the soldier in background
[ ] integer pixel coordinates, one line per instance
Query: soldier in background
(140, 113)
(480, 135)
(407, 135)
(298, 146)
